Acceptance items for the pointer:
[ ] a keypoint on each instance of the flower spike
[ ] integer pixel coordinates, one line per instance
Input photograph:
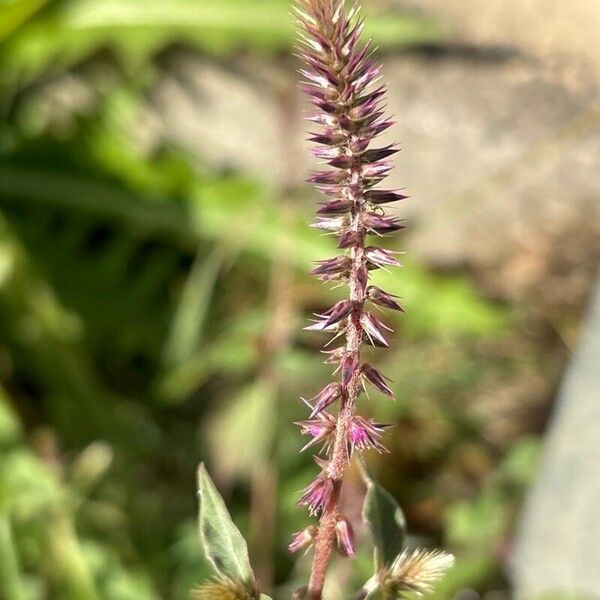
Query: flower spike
(344, 86)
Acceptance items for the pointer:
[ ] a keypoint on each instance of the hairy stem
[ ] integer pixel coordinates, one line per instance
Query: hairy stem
(340, 458)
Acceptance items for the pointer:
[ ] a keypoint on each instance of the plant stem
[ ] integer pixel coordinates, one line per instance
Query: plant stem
(340, 456)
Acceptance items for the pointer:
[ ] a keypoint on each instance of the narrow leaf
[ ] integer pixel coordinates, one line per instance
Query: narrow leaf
(190, 316)
(385, 520)
(223, 544)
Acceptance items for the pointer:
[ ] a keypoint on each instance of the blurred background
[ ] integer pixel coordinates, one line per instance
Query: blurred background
(154, 251)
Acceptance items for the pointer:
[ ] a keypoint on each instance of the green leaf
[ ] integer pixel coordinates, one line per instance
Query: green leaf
(385, 520)
(16, 14)
(224, 545)
(190, 317)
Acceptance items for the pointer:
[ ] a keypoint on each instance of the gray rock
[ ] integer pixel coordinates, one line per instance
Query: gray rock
(546, 27)
(558, 546)
(500, 156)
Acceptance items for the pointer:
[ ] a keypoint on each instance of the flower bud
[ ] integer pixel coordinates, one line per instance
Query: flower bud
(377, 378)
(329, 394)
(320, 428)
(373, 329)
(303, 539)
(317, 495)
(385, 299)
(349, 365)
(365, 434)
(345, 537)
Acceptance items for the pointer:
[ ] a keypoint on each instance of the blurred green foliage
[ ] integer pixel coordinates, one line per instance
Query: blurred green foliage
(134, 306)
(37, 33)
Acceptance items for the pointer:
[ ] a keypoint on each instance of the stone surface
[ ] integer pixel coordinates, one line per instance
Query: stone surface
(545, 27)
(500, 156)
(558, 545)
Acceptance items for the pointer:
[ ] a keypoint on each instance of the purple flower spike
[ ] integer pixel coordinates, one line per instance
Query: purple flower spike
(344, 85)
(345, 537)
(317, 495)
